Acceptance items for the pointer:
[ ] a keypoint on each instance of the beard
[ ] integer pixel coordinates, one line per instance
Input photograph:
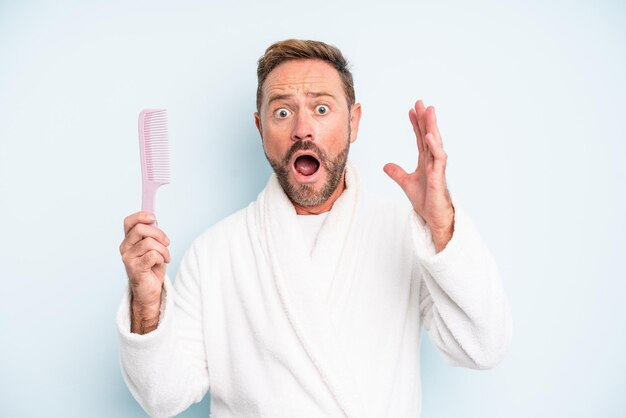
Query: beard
(306, 195)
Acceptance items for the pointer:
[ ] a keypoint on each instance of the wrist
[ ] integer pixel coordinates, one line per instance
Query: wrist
(441, 236)
(441, 240)
(144, 319)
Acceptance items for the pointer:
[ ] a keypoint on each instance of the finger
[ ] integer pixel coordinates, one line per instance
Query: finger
(143, 247)
(138, 217)
(141, 231)
(148, 260)
(136, 236)
(396, 173)
(440, 158)
(416, 129)
(431, 124)
(419, 111)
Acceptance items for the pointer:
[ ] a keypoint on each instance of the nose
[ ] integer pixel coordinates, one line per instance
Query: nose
(303, 128)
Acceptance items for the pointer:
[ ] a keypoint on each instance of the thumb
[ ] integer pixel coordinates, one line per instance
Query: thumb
(396, 173)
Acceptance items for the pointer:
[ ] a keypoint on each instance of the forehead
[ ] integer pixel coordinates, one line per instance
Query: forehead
(302, 77)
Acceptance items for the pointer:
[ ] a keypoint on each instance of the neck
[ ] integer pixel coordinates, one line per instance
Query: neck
(327, 205)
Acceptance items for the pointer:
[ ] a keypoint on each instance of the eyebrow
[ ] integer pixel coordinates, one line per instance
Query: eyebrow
(315, 94)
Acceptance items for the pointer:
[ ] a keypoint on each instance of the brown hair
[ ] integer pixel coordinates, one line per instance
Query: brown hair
(293, 49)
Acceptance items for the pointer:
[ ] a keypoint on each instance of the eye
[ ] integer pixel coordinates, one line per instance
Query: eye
(321, 109)
(282, 113)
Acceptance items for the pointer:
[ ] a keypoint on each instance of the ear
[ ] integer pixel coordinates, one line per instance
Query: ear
(355, 118)
(257, 122)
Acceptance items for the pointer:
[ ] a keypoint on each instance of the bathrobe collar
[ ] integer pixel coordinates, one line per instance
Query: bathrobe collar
(296, 274)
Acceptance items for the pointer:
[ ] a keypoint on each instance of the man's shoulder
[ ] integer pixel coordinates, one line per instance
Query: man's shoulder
(383, 219)
(384, 207)
(227, 228)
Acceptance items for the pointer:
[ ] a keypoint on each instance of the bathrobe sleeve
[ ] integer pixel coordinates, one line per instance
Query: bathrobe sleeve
(462, 302)
(166, 369)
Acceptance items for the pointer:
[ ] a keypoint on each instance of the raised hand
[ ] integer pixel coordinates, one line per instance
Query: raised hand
(426, 187)
(145, 255)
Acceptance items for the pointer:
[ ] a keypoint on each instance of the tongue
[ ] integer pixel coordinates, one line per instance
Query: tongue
(306, 165)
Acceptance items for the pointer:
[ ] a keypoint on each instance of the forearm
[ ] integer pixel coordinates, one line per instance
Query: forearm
(472, 327)
(160, 368)
(144, 319)
(441, 238)
(462, 300)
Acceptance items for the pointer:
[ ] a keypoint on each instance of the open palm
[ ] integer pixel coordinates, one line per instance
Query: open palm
(426, 187)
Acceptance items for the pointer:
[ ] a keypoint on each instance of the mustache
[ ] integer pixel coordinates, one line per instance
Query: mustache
(305, 146)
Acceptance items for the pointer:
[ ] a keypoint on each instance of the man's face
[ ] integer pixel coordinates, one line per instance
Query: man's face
(307, 127)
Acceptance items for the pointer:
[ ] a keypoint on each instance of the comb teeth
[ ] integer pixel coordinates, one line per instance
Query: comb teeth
(154, 144)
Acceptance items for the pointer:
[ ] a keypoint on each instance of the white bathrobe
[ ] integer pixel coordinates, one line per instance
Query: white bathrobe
(275, 331)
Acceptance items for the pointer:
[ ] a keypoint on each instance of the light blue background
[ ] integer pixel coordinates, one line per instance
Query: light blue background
(531, 101)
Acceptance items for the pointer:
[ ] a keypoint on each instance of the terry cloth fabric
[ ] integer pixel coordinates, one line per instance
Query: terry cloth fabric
(274, 331)
(311, 225)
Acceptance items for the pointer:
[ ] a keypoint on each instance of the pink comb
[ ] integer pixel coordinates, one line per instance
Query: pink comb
(155, 156)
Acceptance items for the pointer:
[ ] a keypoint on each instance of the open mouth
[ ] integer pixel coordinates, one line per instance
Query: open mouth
(306, 165)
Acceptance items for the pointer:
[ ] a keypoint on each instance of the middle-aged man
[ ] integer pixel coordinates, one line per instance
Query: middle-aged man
(309, 301)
